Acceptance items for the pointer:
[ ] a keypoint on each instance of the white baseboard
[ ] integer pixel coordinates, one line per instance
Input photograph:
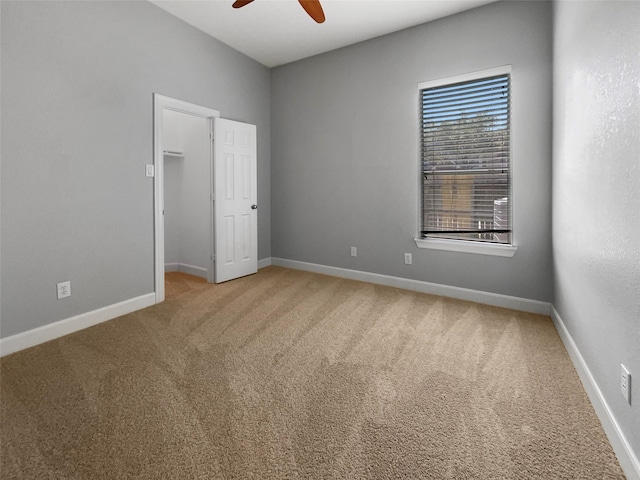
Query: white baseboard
(171, 267)
(265, 262)
(192, 270)
(626, 456)
(506, 301)
(185, 268)
(64, 327)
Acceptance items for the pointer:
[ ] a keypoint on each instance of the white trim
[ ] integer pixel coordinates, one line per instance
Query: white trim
(160, 102)
(193, 270)
(185, 268)
(495, 299)
(265, 262)
(626, 456)
(211, 274)
(482, 248)
(465, 77)
(64, 327)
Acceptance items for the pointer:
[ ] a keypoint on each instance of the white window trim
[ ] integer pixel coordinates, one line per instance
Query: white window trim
(482, 248)
(465, 77)
(465, 246)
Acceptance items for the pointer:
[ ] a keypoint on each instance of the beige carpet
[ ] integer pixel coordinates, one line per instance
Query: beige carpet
(287, 374)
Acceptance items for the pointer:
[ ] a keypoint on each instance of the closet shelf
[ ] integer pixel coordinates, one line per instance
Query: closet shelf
(169, 153)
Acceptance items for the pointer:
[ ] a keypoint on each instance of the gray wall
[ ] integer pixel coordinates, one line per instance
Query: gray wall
(77, 101)
(596, 192)
(345, 139)
(77, 83)
(187, 186)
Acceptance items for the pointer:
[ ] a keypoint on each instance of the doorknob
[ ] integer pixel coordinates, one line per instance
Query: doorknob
(254, 207)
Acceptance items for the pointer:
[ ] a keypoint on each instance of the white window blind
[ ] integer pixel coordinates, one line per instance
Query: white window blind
(466, 160)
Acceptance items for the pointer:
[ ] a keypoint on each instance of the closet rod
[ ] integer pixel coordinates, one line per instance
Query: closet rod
(168, 153)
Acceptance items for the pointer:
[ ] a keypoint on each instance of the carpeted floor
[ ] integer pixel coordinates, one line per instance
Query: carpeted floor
(288, 374)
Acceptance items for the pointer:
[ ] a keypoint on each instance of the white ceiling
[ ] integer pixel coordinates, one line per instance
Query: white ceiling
(275, 32)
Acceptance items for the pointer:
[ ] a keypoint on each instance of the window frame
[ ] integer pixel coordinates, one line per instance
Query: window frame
(461, 245)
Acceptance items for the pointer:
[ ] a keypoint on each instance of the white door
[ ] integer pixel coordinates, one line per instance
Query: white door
(235, 199)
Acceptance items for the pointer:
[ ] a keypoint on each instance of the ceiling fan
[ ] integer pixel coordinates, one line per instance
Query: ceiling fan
(312, 7)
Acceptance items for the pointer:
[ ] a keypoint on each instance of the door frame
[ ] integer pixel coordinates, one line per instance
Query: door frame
(161, 103)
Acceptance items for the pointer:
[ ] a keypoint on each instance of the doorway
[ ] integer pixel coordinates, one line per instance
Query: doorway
(190, 224)
(186, 152)
(182, 133)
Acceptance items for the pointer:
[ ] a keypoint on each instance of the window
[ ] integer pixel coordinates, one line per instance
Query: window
(465, 150)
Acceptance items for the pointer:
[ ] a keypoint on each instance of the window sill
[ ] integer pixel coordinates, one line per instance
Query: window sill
(479, 248)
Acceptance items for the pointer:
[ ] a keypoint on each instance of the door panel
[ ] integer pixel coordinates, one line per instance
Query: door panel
(235, 180)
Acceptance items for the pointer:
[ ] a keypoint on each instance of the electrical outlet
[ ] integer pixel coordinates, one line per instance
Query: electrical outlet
(64, 289)
(625, 383)
(354, 252)
(407, 259)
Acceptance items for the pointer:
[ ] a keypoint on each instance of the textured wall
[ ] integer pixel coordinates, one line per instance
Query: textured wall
(596, 192)
(77, 107)
(345, 149)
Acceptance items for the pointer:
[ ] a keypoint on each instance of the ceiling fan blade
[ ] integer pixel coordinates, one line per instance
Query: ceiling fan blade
(313, 8)
(241, 3)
